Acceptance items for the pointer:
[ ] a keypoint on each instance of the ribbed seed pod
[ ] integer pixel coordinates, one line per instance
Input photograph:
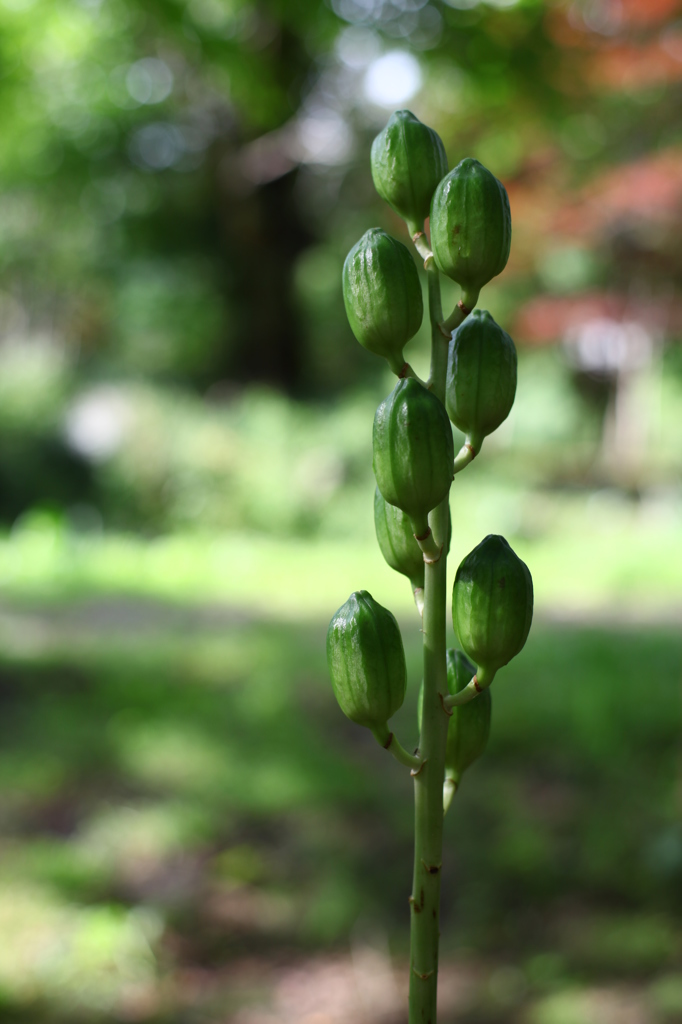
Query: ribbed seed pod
(470, 225)
(397, 542)
(469, 726)
(366, 661)
(492, 604)
(413, 450)
(408, 160)
(382, 295)
(481, 376)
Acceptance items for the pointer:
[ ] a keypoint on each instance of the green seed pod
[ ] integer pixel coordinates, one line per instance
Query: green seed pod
(413, 451)
(397, 542)
(492, 605)
(470, 227)
(382, 295)
(469, 725)
(408, 161)
(481, 376)
(366, 661)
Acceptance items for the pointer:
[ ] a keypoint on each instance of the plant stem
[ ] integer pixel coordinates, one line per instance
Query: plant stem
(421, 244)
(402, 369)
(428, 794)
(427, 542)
(460, 312)
(428, 783)
(467, 453)
(439, 341)
(480, 682)
(389, 741)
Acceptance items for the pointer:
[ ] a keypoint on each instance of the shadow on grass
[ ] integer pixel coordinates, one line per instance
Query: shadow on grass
(180, 796)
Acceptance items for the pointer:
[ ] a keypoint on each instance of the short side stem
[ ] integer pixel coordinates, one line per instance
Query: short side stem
(421, 243)
(402, 369)
(467, 453)
(429, 548)
(461, 311)
(389, 741)
(478, 684)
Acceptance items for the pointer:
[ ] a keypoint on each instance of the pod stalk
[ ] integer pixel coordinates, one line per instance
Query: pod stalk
(389, 741)
(432, 551)
(467, 453)
(420, 242)
(464, 307)
(478, 684)
(404, 370)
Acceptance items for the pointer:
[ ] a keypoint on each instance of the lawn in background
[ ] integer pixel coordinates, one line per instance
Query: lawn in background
(192, 830)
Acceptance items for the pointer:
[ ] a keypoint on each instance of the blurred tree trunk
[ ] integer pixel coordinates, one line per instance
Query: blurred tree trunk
(261, 235)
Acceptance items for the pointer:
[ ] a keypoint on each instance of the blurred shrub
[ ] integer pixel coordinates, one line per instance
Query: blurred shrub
(168, 319)
(35, 379)
(159, 457)
(623, 944)
(36, 463)
(258, 461)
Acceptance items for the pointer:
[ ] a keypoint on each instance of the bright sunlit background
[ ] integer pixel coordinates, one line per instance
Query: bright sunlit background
(191, 832)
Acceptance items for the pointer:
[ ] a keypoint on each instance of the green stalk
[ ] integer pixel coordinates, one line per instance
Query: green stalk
(389, 741)
(439, 339)
(428, 781)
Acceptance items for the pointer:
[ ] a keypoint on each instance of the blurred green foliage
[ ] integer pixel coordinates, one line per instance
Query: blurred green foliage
(179, 185)
(178, 792)
(183, 420)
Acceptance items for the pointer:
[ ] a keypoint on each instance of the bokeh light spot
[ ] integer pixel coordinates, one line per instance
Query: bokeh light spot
(394, 78)
(149, 80)
(157, 146)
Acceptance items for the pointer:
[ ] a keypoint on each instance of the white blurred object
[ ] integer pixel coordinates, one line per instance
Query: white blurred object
(357, 47)
(157, 146)
(323, 137)
(392, 79)
(149, 81)
(97, 423)
(625, 353)
(609, 346)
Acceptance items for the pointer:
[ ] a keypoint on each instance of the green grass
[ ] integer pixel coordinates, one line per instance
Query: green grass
(587, 558)
(178, 790)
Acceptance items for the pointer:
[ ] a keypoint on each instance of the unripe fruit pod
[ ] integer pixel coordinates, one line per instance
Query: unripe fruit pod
(413, 451)
(382, 295)
(470, 226)
(408, 160)
(492, 605)
(397, 542)
(469, 726)
(366, 661)
(481, 376)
